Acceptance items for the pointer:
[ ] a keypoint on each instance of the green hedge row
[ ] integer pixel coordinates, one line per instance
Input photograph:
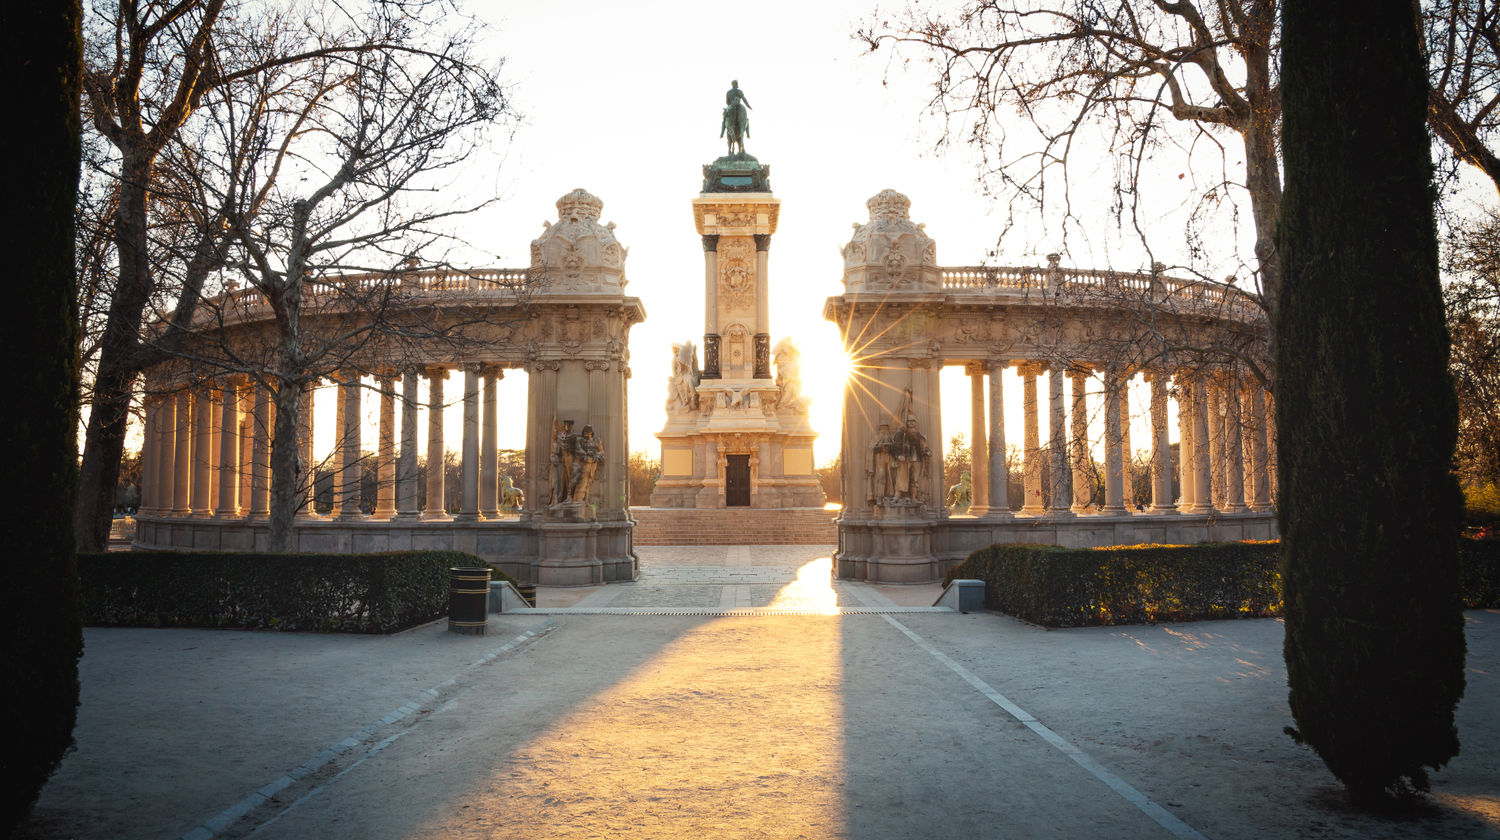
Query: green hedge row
(338, 593)
(1069, 587)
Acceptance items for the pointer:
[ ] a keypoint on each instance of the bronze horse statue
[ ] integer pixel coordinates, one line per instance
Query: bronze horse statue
(736, 122)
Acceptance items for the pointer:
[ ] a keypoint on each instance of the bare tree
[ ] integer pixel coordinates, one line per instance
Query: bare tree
(1177, 75)
(368, 136)
(149, 66)
(1462, 40)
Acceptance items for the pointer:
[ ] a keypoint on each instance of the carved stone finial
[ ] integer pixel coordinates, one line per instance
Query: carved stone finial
(889, 205)
(579, 206)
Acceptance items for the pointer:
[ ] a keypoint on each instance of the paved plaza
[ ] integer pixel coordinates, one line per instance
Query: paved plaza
(732, 691)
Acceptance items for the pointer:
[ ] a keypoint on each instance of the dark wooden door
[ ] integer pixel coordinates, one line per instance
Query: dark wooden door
(737, 481)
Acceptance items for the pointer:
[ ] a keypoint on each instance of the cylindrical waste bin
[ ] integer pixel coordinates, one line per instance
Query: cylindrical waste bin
(528, 593)
(468, 600)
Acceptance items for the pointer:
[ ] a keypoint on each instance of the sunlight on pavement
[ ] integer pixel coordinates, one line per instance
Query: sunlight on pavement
(733, 730)
(811, 591)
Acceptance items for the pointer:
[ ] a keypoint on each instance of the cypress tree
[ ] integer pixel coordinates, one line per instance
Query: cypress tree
(1365, 410)
(41, 628)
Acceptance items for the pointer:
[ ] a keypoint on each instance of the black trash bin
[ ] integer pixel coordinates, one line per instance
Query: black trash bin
(468, 600)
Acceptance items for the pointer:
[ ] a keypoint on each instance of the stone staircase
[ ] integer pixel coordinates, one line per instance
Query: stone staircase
(735, 526)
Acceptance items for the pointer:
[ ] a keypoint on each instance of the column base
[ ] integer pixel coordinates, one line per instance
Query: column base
(1162, 510)
(430, 516)
(466, 517)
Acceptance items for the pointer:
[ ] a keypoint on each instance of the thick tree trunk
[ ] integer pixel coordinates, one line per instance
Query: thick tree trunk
(119, 362)
(287, 471)
(1365, 411)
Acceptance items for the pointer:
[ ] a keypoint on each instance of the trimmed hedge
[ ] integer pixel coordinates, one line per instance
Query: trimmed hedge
(1070, 587)
(336, 593)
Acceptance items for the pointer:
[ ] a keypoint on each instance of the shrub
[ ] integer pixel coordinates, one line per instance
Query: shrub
(1069, 587)
(346, 593)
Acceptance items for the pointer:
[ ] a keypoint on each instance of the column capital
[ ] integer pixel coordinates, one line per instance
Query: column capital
(1079, 370)
(435, 371)
(996, 364)
(976, 368)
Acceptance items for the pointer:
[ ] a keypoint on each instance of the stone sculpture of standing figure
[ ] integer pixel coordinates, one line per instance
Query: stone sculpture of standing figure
(587, 454)
(562, 460)
(878, 466)
(736, 122)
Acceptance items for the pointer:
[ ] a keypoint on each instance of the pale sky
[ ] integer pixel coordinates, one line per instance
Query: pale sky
(623, 99)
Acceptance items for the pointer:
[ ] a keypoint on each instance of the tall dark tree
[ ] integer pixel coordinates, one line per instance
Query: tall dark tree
(41, 625)
(1365, 411)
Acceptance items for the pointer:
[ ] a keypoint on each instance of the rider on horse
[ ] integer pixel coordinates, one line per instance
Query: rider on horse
(736, 122)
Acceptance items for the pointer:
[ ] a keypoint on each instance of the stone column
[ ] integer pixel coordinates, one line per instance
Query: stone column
(435, 503)
(150, 409)
(1234, 436)
(710, 312)
(979, 450)
(406, 467)
(353, 468)
(216, 410)
(260, 455)
(1217, 448)
(1260, 478)
(247, 442)
(999, 468)
(1186, 450)
(229, 453)
(468, 509)
(1127, 452)
(1082, 459)
(1062, 491)
(1271, 468)
(305, 448)
(1114, 478)
(385, 456)
(1161, 446)
(489, 462)
(1204, 481)
(203, 439)
(336, 503)
(1032, 466)
(762, 368)
(182, 482)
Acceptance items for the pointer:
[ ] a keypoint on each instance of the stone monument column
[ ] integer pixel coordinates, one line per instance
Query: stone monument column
(308, 468)
(182, 481)
(350, 466)
(468, 508)
(1260, 473)
(1114, 478)
(406, 465)
(385, 456)
(999, 466)
(229, 452)
(1161, 446)
(435, 507)
(1218, 449)
(1187, 450)
(489, 478)
(1034, 462)
(150, 455)
(1062, 495)
(260, 454)
(711, 306)
(203, 440)
(979, 450)
(1234, 453)
(762, 306)
(1081, 458)
(1202, 447)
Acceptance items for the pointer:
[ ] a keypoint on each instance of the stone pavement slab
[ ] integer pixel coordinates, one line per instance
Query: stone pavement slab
(821, 723)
